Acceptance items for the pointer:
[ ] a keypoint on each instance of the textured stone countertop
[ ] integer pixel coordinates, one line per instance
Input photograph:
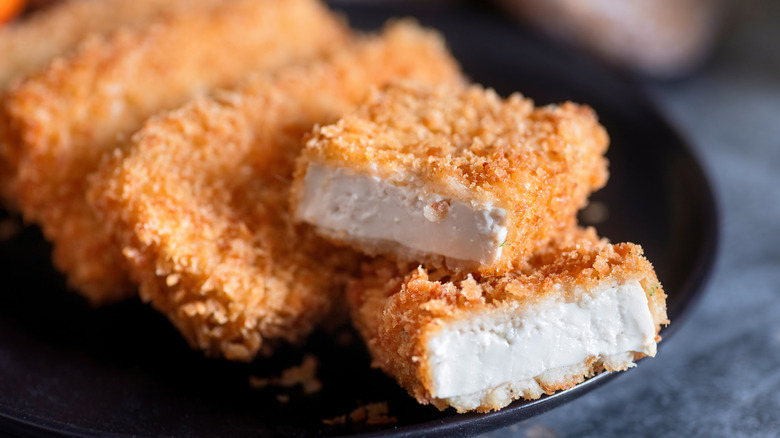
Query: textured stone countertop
(719, 375)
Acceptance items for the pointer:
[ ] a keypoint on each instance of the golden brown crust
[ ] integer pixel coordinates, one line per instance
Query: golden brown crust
(540, 164)
(29, 45)
(200, 201)
(69, 116)
(396, 313)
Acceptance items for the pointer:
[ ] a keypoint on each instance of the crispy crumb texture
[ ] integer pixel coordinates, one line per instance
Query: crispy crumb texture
(29, 46)
(200, 202)
(465, 146)
(397, 313)
(65, 119)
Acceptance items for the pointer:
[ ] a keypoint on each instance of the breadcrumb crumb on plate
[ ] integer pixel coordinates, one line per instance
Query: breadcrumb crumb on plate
(374, 414)
(304, 375)
(200, 201)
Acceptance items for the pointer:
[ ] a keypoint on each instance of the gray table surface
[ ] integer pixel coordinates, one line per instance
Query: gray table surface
(719, 375)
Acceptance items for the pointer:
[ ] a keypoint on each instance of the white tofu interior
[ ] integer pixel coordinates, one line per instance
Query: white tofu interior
(366, 208)
(487, 351)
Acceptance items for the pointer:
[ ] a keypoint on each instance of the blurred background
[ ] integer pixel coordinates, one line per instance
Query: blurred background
(675, 36)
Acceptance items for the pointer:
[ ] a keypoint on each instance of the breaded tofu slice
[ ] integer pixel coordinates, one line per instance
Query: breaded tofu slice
(454, 177)
(200, 201)
(29, 45)
(65, 119)
(576, 308)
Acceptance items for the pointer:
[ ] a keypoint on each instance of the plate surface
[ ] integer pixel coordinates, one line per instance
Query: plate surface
(123, 370)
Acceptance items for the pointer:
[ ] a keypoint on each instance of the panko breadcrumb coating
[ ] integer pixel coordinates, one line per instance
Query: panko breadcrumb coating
(65, 119)
(399, 312)
(200, 202)
(29, 45)
(480, 181)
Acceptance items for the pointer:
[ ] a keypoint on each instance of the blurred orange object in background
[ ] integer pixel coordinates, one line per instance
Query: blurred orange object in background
(10, 8)
(658, 38)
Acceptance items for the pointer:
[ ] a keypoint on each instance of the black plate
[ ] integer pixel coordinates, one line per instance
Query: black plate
(122, 370)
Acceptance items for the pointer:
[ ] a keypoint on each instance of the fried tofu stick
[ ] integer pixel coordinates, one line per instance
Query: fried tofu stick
(575, 308)
(455, 177)
(66, 118)
(200, 203)
(28, 46)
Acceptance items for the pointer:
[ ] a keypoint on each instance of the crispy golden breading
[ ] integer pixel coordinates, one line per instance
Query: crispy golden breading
(29, 45)
(66, 118)
(471, 147)
(397, 309)
(200, 202)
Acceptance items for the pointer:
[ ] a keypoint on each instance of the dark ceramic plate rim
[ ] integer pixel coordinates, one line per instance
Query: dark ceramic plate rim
(15, 421)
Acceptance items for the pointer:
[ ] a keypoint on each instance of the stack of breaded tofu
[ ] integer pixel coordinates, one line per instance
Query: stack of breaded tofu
(486, 290)
(254, 167)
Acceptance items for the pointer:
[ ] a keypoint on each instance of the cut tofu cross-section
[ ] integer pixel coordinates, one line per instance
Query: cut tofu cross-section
(483, 352)
(577, 307)
(374, 209)
(452, 177)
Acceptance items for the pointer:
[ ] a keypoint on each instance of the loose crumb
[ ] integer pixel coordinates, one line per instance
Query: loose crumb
(304, 375)
(258, 382)
(9, 228)
(374, 414)
(335, 421)
(358, 415)
(377, 414)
